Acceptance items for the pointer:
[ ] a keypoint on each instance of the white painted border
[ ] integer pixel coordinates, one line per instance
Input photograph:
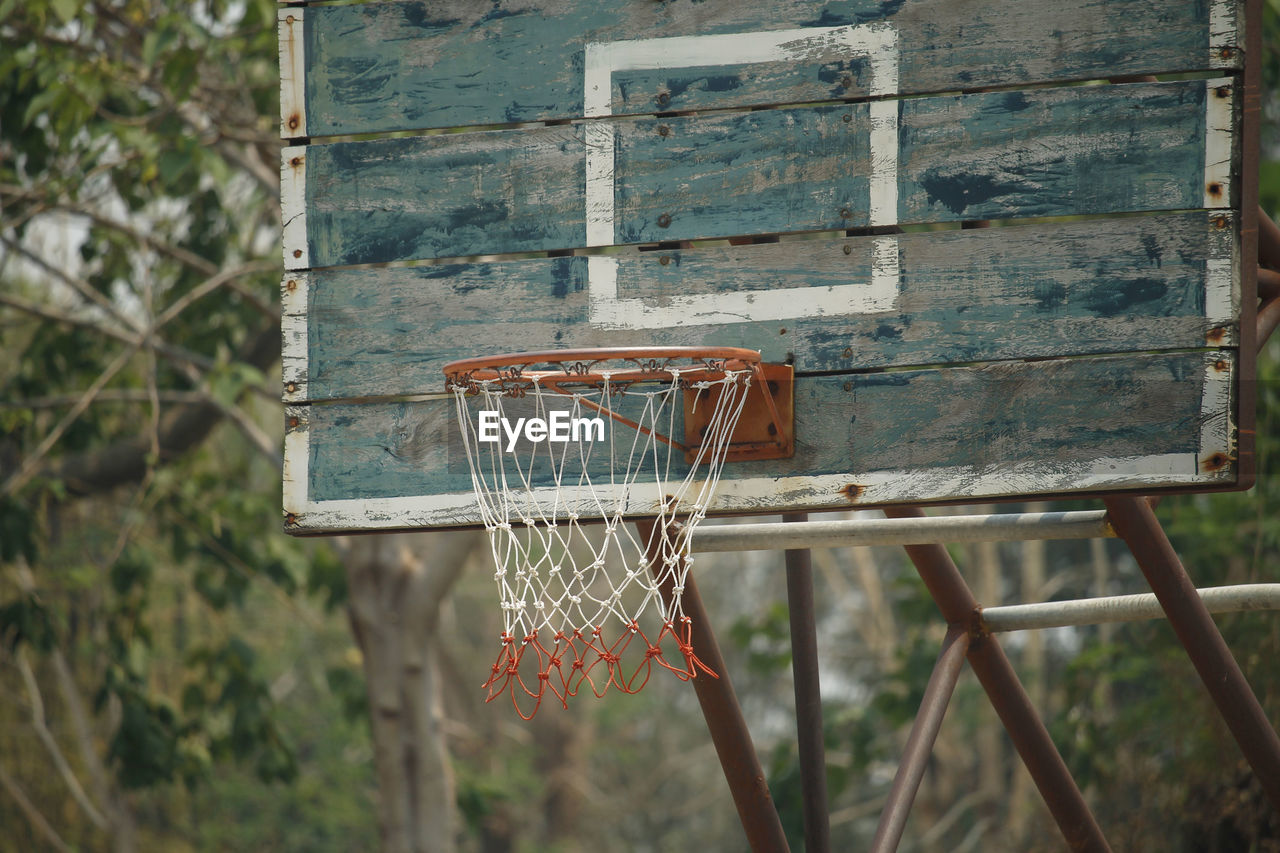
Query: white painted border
(1219, 139)
(878, 42)
(293, 207)
(1215, 405)
(1224, 33)
(296, 488)
(295, 354)
(293, 71)
(764, 494)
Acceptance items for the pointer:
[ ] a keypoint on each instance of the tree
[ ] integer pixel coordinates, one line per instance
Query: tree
(139, 255)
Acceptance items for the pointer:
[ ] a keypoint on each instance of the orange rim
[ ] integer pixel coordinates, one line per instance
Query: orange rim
(583, 366)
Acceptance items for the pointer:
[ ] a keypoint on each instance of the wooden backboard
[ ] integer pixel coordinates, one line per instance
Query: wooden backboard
(561, 173)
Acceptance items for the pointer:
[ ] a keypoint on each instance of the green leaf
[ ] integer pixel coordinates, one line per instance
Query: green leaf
(65, 9)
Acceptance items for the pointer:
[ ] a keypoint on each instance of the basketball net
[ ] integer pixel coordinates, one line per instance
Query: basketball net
(586, 600)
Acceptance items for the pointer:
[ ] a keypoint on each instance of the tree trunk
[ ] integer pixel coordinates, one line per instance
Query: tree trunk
(396, 585)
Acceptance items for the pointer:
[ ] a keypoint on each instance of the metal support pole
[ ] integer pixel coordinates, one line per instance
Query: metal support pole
(807, 683)
(1124, 608)
(953, 529)
(729, 733)
(1007, 695)
(924, 731)
(1137, 525)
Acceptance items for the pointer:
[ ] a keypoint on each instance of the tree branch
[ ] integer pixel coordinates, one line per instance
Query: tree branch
(31, 464)
(180, 430)
(112, 395)
(32, 814)
(51, 745)
(81, 286)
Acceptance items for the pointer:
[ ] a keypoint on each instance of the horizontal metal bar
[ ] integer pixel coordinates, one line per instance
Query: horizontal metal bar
(1125, 608)
(902, 531)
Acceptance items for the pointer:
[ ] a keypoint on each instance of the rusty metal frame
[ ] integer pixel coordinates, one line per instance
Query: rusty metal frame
(728, 728)
(805, 677)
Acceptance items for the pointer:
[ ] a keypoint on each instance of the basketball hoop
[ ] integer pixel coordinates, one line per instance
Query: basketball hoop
(562, 447)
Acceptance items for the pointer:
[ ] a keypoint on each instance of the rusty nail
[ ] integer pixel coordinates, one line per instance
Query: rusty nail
(1221, 364)
(293, 122)
(664, 260)
(1223, 91)
(291, 387)
(297, 253)
(848, 352)
(290, 19)
(773, 389)
(848, 117)
(848, 250)
(773, 430)
(847, 81)
(664, 220)
(845, 213)
(782, 331)
(848, 386)
(664, 98)
(293, 422)
(1227, 52)
(290, 518)
(296, 161)
(663, 130)
(1215, 188)
(1220, 222)
(1215, 335)
(291, 285)
(853, 491)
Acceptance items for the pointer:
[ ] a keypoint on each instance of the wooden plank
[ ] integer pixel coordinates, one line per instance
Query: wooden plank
(1031, 291)
(455, 62)
(1058, 426)
(1051, 152)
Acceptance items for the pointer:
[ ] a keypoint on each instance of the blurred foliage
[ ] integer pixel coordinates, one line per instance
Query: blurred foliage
(139, 232)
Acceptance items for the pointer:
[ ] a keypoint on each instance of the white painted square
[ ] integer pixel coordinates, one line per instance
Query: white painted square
(878, 42)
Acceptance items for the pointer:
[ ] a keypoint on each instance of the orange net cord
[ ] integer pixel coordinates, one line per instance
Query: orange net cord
(528, 669)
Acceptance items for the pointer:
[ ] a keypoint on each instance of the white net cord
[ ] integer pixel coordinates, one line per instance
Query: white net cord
(555, 471)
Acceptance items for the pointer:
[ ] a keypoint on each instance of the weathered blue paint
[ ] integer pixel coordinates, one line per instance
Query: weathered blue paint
(1031, 291)
(1069, 411)
(416, 65)
(1046, 153)
(1066, 151)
